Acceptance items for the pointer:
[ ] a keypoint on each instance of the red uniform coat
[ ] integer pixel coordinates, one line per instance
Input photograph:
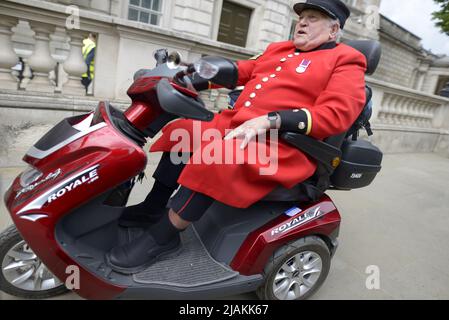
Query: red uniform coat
(332, 89)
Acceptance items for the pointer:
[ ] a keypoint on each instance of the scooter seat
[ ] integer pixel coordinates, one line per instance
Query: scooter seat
(303, 192)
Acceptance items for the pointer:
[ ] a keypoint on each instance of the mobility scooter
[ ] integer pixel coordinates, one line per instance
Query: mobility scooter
(66, 205)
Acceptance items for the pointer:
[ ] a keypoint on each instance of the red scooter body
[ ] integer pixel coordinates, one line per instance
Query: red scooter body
(100, 159)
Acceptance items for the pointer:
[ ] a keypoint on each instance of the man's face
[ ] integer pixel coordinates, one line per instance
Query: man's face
(312, 30)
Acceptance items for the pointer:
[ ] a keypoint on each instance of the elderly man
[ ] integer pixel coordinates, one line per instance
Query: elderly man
(310, 85)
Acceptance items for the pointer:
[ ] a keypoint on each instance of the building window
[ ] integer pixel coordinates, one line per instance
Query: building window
(146, 11)
(234, 24)
(442, 82)
(292, 30)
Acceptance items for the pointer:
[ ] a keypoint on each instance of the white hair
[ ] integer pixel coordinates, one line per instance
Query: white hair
(336, 22)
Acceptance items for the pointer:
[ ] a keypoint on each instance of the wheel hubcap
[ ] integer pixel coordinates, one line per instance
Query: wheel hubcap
(297, 276)
(24, 270)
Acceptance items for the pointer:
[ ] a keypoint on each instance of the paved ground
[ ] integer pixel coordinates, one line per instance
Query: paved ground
(400, 224)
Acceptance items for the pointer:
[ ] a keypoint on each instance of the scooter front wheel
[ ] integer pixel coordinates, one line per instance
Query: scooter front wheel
(22, 273)
(296, 271)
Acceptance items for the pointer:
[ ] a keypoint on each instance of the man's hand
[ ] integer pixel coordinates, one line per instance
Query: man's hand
(249, 130)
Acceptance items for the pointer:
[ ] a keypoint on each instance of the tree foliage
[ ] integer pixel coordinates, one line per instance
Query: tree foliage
(442, 17)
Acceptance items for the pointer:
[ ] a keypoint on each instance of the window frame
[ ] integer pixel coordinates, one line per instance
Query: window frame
(251, 38)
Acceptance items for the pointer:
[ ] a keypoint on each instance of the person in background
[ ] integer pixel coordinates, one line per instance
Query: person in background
(89, 45)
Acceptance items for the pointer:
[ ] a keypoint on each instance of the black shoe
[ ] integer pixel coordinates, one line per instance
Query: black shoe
(139, 216)
(139, 254)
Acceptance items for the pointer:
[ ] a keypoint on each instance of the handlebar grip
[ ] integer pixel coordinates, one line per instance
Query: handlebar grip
(199, 83)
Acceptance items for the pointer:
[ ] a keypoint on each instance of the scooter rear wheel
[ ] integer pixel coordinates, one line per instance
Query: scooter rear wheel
(296, 271)
(22, 273)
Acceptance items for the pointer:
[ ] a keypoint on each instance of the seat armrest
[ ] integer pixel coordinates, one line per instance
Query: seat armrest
(320, 151)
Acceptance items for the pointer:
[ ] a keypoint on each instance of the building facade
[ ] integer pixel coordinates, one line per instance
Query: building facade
(46, 35)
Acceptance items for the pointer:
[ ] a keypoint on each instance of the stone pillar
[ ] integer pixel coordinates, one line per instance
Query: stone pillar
(41, 61)
(420, 84)
(8, 57)
(106, 63)
(23, 43)
(75, 65)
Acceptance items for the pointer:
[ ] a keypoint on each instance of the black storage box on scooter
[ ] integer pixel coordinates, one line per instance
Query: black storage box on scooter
(361, 162)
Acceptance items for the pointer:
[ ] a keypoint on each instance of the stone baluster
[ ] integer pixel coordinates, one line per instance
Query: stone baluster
(425, 114)
(402, 110)
(59, 48)
(420, 115)
(428, 114)
(75, 66)
(27, 74)
(407, 114)
(389, 109)
(222, 99)
(8, 57)
(411, 113)
(41, 62)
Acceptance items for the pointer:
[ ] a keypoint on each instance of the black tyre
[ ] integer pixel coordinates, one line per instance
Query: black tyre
(296, 271)
(22, 274)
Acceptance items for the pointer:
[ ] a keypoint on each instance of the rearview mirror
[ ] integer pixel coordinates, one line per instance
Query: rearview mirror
(174, 60)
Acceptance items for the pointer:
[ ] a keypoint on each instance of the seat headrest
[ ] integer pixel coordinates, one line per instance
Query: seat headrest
(372, 51)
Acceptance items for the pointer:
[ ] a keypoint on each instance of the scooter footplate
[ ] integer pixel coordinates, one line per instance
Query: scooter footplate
(192, 267)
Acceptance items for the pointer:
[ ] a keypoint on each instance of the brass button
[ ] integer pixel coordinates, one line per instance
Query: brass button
(273, 76)
(278, 69)
(290, 56)
(283, 59)
(301, 126)
(252, 95)
(247, 104)
(265, 79)
(258, 87)
(296, 53)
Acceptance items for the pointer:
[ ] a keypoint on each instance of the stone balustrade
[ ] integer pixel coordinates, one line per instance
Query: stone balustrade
(406, 120)
(408, 111)
(403, 107)
(49, 47)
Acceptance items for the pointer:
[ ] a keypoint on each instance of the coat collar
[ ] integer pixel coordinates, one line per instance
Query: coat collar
(324, 46)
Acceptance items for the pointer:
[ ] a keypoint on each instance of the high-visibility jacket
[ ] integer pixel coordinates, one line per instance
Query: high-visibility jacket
(89, 45)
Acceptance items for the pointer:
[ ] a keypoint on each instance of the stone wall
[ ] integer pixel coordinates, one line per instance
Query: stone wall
(193, 17)
(275, 23)
(401, 53)
(270, 20)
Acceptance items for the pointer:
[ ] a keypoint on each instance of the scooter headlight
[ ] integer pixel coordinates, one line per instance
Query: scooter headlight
(29, 176)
